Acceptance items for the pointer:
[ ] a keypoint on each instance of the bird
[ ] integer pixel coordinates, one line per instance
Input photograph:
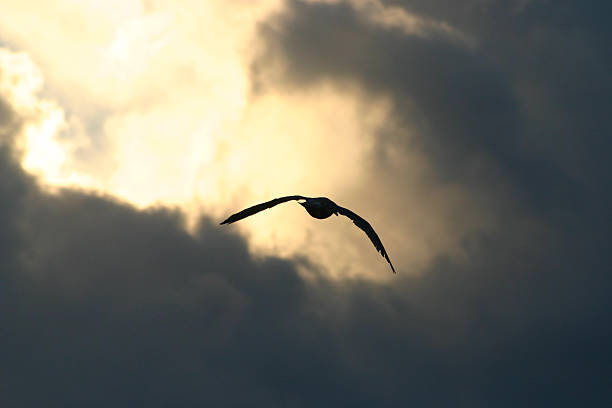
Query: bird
(320, 208)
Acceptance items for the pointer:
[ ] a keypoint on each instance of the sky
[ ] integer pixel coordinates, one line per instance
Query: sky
(474, 136)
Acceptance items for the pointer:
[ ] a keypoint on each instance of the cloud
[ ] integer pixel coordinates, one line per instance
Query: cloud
(390, 17)
(456, 115)
(443, 100)
(520, 107)
(106, 304)
(494, 157)
(160, 92)
(511, 129)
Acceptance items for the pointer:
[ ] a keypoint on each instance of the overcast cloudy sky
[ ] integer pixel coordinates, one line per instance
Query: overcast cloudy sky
(474, 135)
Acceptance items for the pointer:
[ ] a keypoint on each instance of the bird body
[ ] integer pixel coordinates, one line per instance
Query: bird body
(320, 208)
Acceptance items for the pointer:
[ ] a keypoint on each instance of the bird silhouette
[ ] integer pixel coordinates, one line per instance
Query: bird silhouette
(321, 208)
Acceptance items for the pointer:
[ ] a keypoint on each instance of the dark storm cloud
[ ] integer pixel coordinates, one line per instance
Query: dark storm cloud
(104, 305)
(521, 121)
(533, 95)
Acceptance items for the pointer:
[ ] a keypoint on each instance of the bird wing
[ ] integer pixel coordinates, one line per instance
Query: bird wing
(260, 207)
(367, 228)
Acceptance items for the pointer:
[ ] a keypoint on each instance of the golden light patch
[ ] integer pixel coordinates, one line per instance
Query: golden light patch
(43, 153)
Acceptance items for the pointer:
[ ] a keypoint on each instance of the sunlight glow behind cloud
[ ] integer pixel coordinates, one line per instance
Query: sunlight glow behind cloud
(151, 102)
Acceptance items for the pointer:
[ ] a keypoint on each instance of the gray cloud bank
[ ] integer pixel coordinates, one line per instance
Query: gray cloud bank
(104, 305)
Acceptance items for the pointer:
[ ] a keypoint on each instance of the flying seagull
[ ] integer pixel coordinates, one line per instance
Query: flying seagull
(321, 208)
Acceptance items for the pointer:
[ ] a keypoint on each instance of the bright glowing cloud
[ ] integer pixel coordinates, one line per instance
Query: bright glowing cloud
(44, 153)
(151, 102)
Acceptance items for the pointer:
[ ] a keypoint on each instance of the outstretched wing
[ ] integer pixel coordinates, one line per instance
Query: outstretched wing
(367, 228)
(260, 207)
